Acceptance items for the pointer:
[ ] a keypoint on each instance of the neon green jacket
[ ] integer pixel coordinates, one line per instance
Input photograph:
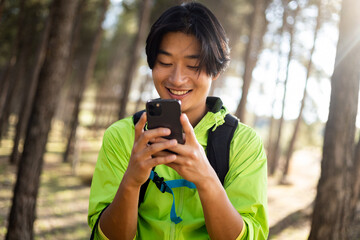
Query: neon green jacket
(245, 184)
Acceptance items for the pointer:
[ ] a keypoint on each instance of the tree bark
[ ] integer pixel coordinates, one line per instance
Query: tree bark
(5, 81)
(258, 28)
(355, 194)
(85, 74)
(2, 3)
(290, 149)
(333, 209)
(65, 105)
(8, 83)
(22, 214)
(29, 95)
(276, 148)
(132, 64)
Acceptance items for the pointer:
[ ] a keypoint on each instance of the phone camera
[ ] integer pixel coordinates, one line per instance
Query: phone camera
(155, 109)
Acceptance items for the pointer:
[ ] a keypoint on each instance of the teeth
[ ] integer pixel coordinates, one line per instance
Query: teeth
(178, 92)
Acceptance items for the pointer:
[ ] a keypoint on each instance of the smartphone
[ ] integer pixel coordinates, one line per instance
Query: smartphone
(165, 113)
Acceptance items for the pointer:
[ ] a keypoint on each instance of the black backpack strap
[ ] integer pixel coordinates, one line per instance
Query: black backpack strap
(218, 146)
(143, 190)
(136, 118)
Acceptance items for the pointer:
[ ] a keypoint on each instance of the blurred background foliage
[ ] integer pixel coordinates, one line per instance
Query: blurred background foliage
(282, 59)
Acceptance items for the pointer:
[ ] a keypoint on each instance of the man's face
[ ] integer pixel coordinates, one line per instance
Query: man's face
(176, 74)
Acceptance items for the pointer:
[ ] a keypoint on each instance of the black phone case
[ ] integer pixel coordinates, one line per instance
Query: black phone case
(168, 118)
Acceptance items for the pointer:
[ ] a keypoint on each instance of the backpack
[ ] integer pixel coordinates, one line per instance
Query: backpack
(217, 152)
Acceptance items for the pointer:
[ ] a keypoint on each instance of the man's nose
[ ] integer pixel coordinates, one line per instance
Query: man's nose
(178, 75)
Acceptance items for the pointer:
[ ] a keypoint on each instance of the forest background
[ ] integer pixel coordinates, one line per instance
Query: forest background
(68, 69)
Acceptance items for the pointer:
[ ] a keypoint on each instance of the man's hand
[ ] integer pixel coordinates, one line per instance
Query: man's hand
(191, 161)
(144, 155)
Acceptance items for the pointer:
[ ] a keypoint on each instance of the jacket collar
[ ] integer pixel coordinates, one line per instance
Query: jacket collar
(214, 117)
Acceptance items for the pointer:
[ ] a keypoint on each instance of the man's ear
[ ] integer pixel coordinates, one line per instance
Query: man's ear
(216, 77)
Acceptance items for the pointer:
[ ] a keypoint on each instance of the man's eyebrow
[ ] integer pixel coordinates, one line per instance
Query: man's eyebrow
(164, 52)
(194, 56)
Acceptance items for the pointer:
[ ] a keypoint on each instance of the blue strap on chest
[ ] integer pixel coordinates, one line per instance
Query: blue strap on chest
(167, 186)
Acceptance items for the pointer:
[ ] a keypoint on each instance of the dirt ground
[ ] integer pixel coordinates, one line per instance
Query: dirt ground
(63, 198)
(290, 205)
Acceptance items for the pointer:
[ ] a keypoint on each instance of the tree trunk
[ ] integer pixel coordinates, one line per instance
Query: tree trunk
(132, 64)
(2, 3)
(10, 84)
(276, 150)
(65, 105)
(86, 72)
(108, 85)
(290, 149)
(6, 88)
(258, 29)
(22, 214)
(333, 208)
(29, 95)
(354, 231)
(270, 144)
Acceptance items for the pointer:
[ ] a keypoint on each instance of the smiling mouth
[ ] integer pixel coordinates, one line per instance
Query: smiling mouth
(178, 93)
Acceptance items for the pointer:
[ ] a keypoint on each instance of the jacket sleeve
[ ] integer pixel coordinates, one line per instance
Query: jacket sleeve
(110, 167)
(246, 181)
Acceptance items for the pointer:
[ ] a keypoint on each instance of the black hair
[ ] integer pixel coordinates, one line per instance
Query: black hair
(192, 18)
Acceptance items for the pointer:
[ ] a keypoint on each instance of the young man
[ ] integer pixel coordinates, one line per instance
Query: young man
(186, 49)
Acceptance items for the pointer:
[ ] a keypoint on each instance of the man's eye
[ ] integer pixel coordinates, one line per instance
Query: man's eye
(195, 68)
(165, 64)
